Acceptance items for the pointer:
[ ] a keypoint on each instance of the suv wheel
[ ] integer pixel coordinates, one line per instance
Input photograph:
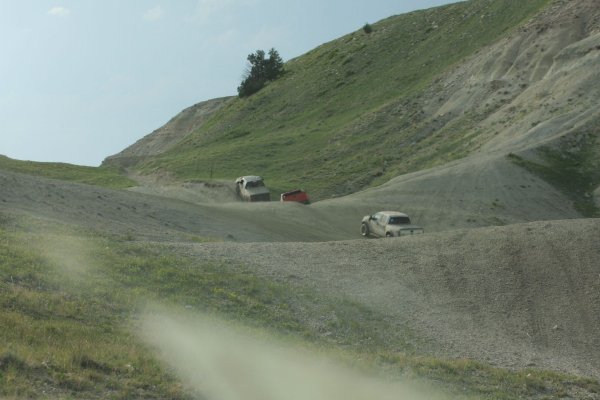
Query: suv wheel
(364, 229)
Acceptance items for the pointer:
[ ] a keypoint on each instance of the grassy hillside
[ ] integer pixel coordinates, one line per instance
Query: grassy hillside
(350, 113)
(109, 177)
(571, 165)
(70, 301)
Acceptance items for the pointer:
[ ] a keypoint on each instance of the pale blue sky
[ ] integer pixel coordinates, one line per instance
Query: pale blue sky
(83, 79)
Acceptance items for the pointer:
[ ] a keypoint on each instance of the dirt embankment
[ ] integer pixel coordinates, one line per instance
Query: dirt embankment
(166, 137)
(155, 216)
(515, 296)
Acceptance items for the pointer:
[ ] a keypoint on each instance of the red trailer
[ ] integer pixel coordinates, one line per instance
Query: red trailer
(297, 195)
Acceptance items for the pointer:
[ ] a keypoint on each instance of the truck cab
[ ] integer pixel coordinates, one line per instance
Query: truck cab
(252, 188)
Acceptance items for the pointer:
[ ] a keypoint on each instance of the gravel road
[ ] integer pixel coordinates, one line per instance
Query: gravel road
(524, 294)
(516, 296)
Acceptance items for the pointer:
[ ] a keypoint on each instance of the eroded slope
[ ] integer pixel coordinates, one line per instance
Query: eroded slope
(515, 296)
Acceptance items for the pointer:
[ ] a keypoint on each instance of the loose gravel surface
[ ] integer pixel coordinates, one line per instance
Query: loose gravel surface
(524, 294)
(515, 296)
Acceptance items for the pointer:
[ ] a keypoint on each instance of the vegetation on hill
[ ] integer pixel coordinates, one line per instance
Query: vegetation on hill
(573, 168)
(349, 113)
(260, 71)
(110, 177)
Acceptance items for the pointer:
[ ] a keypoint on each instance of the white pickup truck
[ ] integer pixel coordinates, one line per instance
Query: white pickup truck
(252, 188)
(388, 224)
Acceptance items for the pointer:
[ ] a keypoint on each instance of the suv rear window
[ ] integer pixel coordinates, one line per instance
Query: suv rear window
(251, 184)
(399, 220)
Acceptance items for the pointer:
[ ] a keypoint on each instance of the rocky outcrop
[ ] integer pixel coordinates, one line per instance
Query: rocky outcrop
(166, 137)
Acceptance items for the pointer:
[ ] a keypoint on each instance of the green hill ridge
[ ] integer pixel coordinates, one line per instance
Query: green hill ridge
(350, 113)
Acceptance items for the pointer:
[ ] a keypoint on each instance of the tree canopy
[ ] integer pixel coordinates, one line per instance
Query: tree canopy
(260, 70)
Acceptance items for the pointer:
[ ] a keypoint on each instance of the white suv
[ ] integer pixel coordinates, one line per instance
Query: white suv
(388, 224)
(252, 188)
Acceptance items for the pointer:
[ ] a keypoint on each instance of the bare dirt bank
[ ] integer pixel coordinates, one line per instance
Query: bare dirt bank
(516, 296)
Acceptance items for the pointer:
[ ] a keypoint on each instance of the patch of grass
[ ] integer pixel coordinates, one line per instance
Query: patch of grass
(109, 177)
(66, 339)
(68, 300)
(575, 172)
(490, 382)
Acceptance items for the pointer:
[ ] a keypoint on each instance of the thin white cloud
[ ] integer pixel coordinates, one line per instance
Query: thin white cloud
(268, 37)
(226, 38)
(60, 12)
(208, 9)
(154, 14)
(205, 9)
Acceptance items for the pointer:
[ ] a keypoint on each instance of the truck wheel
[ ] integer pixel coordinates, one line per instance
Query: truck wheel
(364, 230)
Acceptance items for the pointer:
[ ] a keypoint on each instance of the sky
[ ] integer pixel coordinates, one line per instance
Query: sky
(83, 79)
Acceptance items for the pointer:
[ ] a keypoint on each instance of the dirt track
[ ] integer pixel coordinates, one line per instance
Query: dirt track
(479, 191)
(517, 295)
(159, 218)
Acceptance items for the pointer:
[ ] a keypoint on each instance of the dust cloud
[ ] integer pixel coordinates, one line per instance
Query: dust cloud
(225, 362)
(72, 257)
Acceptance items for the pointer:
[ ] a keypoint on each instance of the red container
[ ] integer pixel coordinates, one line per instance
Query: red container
(297, 195)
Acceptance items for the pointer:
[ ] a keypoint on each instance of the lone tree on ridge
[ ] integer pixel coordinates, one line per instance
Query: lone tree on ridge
(260, 70)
